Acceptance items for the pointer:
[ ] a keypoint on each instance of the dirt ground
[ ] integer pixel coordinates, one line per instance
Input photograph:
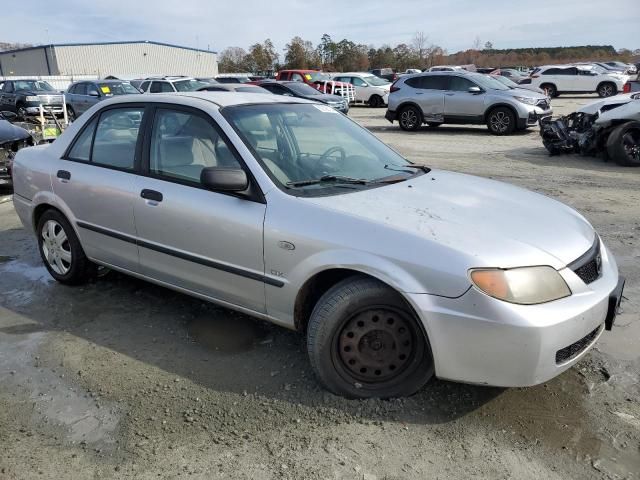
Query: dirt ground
(124, 379)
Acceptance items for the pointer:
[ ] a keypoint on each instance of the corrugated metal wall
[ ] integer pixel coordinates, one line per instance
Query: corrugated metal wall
(31, 61)
(133, 59)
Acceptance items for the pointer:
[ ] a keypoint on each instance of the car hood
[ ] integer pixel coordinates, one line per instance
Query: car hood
(517, 92)
(629, 111)
(608, 103)
(491, 223)
(11, 133)
(326, 98)
(531, 88)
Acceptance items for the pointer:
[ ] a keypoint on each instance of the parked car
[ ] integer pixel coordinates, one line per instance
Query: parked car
(386, 73)
(631, 86)
(514, 75)
(369, 89)
(209, 80)
(610, 126)
(170, 85)
(445, 68)
(302, 90)
(320, 81)
(463, 98)
(25, 97)
(233, 87)
(233, 79)
(410, 71)
(83, 95)
(280, 197)
(557, 79)
(627, 68)
(12, 139)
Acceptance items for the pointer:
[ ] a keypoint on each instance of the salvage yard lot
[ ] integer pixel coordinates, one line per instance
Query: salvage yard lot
(124, 379)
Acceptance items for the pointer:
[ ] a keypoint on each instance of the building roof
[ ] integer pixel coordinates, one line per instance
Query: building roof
(54, 45)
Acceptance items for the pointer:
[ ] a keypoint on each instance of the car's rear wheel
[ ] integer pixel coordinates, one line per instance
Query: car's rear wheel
(376, 101)
(61, 251)
(607, 89)
(549, 89)
(410, 118)
(623, 145)
(364, 341)
(501, 121)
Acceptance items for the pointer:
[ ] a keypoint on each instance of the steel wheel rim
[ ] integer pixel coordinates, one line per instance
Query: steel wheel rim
(56, 247)
(631, 144)
(377, 345)
(409, 118)
(500, 121)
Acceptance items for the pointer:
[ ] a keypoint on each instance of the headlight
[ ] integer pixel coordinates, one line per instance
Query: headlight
(527, 100)
(32, 98)
(524, 286)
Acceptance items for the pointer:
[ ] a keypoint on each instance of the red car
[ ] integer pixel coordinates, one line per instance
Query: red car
(319, 80)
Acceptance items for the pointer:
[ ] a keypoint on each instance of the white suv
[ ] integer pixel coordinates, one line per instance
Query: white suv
(171, 85)
(372, 90)
(557, 79)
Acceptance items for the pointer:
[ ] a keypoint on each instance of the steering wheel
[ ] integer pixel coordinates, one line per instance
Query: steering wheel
(343, 154)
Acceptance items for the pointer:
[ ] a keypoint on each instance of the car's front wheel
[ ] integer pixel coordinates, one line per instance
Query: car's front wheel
(71, 114)
(61, 251)
(501, 121)
(364, 341)
(410, 118)
(623, 144)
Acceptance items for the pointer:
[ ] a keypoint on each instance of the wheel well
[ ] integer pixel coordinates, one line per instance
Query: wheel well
(39, 210)
(501, 105)
(314, 288)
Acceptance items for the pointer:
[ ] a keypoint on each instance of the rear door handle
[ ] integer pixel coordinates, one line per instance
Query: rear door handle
(151, 195)
(64, 175)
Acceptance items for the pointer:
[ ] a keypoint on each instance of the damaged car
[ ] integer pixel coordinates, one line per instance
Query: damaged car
(12, 139)
(610, 127)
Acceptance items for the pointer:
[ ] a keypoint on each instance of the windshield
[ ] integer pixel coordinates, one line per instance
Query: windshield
(488, 82)
(504, 80)
(318, 76)
(376, 81)
(115, 88)
(303, 89)
(300, 142)
(188, 85)
(33, 85)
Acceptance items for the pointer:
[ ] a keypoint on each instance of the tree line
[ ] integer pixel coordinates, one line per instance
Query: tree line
(419, 52)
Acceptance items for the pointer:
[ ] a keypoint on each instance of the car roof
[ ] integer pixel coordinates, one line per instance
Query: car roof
(221, 99)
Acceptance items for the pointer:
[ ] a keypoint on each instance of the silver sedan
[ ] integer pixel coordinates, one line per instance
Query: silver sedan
(289, 211)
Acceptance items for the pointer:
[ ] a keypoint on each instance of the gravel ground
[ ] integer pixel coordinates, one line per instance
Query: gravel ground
(124, 379)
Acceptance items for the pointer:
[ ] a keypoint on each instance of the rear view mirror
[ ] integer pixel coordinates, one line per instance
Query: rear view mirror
(224, 179)
(475, 90)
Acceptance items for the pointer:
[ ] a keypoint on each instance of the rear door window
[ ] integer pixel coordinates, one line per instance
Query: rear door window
(432, 82)
(116, 136)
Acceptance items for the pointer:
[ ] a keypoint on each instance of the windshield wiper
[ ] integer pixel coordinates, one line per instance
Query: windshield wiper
(328, 178)
(424, 168)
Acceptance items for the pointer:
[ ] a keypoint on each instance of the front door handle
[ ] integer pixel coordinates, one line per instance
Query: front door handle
(63, 175)
(151, 195)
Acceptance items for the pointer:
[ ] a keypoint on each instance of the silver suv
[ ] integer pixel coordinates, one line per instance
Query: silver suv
(465, 98)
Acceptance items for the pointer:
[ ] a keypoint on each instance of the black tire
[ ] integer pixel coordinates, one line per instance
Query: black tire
(410, 118)
(501, 121)
(71, 114)
(364, 341)
(623, 145)
(550, 89)
(607, 89)
(21, 110)
(434, 124)
(78, 269)
(375, 101)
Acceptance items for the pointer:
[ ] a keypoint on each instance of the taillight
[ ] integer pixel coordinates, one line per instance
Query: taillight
(393, 87)
(625, 89)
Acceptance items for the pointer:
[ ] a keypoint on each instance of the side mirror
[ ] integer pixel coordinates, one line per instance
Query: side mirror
(475, 90)
(93, 93)
(9, 116)
(224, 179)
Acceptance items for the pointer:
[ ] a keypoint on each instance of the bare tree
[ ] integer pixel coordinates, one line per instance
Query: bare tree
(419, 44)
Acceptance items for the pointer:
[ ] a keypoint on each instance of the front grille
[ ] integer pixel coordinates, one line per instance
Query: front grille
(573, 350)
(49, 99)
(589, 266)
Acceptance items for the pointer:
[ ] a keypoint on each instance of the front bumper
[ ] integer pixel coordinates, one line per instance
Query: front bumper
(478, 339)
(531, 115)
(34, 108)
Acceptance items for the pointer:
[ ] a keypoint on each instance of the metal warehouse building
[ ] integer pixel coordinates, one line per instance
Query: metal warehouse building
(111, 58)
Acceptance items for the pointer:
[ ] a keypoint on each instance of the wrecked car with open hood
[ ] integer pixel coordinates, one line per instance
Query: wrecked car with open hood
(610, 127)
(12, 139)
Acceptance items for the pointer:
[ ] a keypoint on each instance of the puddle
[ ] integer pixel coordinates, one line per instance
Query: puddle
(6, 258)
(229, 335)
(36, 273)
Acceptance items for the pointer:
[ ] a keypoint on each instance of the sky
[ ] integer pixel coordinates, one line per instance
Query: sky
(213, 24)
